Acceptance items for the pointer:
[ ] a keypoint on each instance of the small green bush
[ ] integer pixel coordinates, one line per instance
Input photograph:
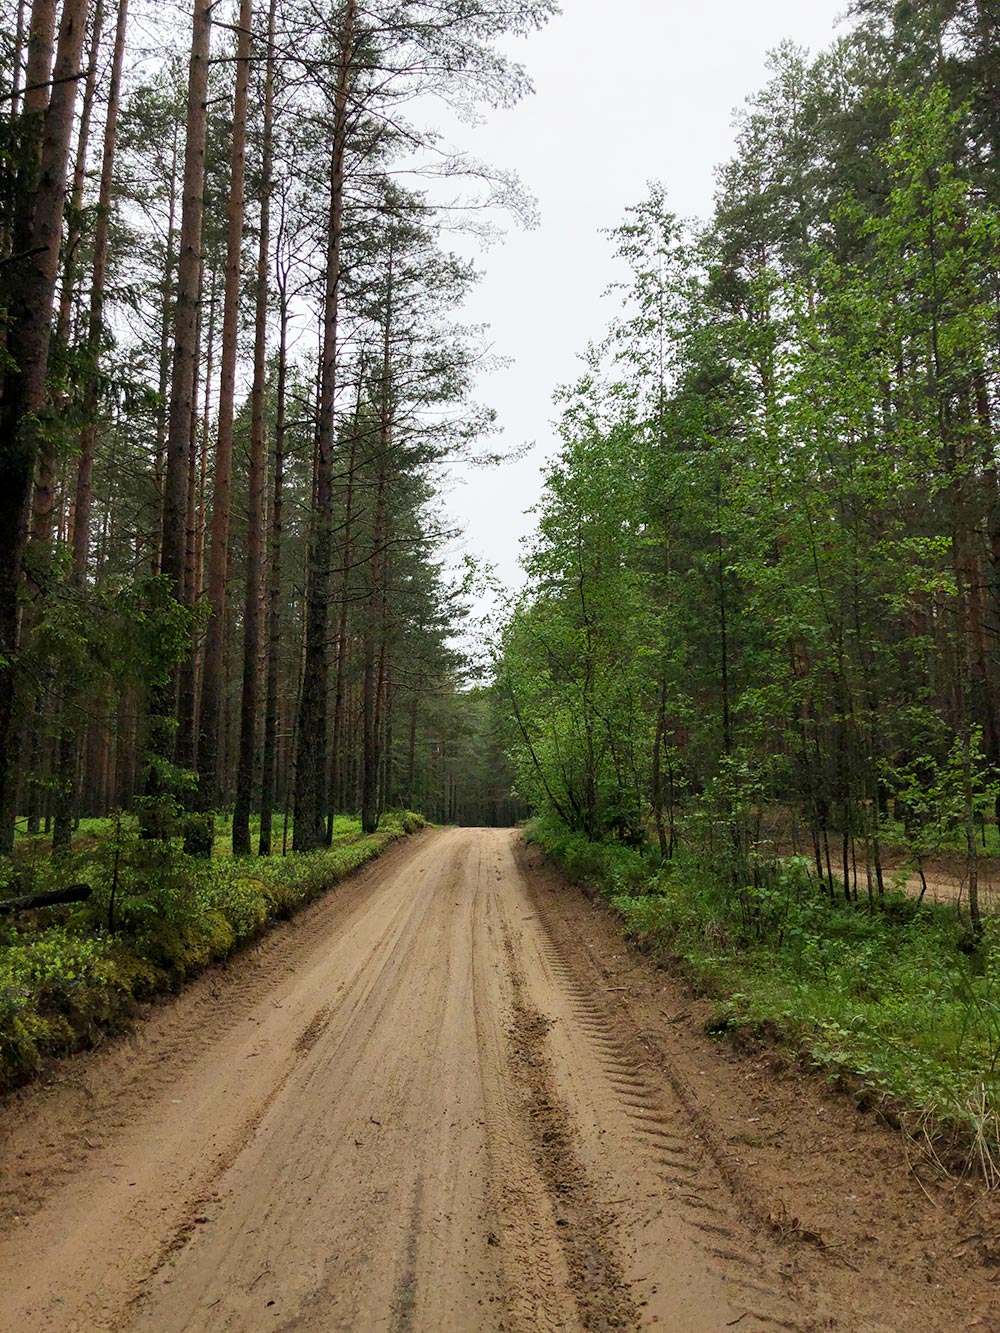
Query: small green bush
(612, 866)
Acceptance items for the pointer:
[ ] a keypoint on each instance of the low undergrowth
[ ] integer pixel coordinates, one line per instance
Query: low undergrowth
(156, 918)
(897, 1003)
(33, 849)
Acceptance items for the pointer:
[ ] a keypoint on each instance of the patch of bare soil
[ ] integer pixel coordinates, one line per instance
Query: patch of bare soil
(945, 877)
(946, 880)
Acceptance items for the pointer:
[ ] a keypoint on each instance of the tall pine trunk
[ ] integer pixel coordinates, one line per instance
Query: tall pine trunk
(309, 831)
(29, 322)
(375, 617)
(45, 480)
(187, 674)
(337, 791)
(95, 326)
(184, 372)
(258, 469)
(83, 494)
(213, 679)
(183, 382)
(270, 755)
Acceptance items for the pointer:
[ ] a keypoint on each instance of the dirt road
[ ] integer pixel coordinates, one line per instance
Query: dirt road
(423, 1105)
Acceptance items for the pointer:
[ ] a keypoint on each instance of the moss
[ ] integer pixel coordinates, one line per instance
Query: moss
(63, 982)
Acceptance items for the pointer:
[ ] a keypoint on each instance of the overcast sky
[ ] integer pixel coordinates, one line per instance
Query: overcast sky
(625, 93)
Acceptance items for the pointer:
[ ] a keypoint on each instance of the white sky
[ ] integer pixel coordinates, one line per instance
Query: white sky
(625, 93)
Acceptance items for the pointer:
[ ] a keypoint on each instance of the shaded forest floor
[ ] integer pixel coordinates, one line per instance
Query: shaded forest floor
(946, 879)
(91, 833)
(945, 870)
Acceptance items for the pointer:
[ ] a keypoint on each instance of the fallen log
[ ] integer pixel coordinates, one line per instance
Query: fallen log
(75, 893)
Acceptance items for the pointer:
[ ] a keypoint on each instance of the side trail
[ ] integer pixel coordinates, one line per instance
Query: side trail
(436, 1101)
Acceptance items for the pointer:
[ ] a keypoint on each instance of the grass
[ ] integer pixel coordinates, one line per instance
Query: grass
(156, 918)
(89, 832)
(897, 1004)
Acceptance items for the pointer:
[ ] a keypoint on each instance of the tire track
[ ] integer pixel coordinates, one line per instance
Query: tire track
(534, 1270)
(655, 1122)
(603, 1297)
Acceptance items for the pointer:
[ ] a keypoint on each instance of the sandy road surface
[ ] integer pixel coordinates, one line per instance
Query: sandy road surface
(411, 1108)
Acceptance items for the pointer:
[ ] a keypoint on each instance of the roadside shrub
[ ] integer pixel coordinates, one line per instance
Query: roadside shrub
(51, 987)
(238, 892)
(613, 866)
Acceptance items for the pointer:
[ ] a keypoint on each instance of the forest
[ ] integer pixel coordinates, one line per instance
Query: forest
(765, 590)
(750, 685)
(233, 369)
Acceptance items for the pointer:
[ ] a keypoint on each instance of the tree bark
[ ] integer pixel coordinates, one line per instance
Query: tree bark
(375, 617)
(210, 716)
(337, 793)
(187, 674)
(29, 325)
(45, 480)
(309, 831)
(269, 763)
(258, 468)
(74, 233)
(166, 302)
(184, 373)
(184, 376)
(95, 328)
(74, 893)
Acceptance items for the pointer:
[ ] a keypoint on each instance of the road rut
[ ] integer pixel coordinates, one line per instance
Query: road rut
(409, 1109)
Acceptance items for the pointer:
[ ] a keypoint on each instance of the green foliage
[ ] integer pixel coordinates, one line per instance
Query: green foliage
(890, 997)
(199, 834)
(762, 599)
(613, 866)
(62, 982)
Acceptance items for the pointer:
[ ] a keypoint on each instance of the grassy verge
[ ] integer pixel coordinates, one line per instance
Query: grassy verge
(156, 918)
(893, 1004)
